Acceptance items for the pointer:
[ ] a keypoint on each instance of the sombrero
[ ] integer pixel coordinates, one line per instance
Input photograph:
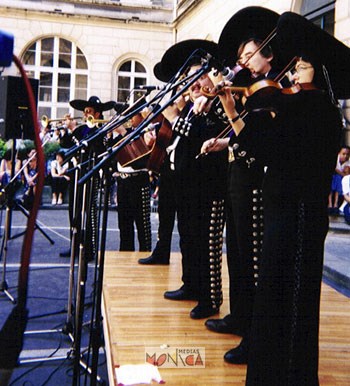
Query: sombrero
(93, 102)
(119, 107)
(160, 74)
(249, 22)
(186, 53)
(300, 37)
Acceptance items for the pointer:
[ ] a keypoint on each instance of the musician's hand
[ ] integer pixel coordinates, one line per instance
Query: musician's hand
(150, 137)
(201, 105)
(121, 129)
(171, 113)
(214, 144)
(226, 98)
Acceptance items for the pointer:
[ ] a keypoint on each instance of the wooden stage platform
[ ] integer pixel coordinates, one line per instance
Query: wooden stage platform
(138, 318)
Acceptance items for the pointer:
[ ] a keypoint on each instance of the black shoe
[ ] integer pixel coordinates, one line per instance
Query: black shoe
(65, 253)
(151, 260)
(179, 294)
(238, 355)
(201, 312)
(221, 326)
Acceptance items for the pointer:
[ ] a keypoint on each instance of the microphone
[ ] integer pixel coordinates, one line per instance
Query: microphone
(149, 88)
(230, 73)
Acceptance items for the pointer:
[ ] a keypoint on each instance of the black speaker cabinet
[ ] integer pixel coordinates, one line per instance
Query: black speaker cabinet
(15, 116)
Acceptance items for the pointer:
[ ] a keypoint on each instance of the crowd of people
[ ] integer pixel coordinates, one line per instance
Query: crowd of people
(262, 164)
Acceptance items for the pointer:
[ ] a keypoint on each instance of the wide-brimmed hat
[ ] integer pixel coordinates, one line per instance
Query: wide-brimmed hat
(250, 22)
(161, 74)
(119, 107)
(94, 102)
(301, 37)
(186, 53)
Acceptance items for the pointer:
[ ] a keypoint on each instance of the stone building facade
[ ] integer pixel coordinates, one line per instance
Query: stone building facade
(107, 48)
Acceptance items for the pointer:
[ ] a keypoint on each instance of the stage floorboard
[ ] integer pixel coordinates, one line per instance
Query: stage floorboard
(138, 318)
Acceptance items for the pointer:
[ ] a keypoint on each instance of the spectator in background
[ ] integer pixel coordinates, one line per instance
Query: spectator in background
(30, 174)
(59, 179)
(336, 188)
(6, 168)
(345, 207)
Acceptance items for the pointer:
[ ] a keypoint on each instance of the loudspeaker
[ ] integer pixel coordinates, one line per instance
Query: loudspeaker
(15, 116)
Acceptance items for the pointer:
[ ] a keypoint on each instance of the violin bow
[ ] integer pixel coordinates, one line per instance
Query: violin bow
(278, 78)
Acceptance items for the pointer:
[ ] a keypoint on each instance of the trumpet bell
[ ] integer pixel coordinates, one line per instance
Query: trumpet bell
(92, 122)
(45, 121)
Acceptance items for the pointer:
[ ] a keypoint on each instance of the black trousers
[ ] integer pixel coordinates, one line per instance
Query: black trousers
(201, 220)
(134, 208)
(244, 234)
(285, 323)
(166, 215)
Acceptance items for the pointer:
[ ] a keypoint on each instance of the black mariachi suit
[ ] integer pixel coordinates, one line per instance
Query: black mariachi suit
(244, 228)
(166, 213)
(200, 187)
(300, 152)
(134, 206)
(90, 236)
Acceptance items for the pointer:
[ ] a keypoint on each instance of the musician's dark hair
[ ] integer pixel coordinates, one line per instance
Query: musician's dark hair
(61, 153)
(319, 79)
(266, 51)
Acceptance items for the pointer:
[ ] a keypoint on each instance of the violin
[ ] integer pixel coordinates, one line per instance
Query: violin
(297, 87)
(262, 88)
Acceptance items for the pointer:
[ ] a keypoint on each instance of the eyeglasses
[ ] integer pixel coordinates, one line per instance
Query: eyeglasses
(300, 69)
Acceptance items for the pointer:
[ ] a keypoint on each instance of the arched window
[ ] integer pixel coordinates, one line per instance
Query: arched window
(62, 71)
(130, 75)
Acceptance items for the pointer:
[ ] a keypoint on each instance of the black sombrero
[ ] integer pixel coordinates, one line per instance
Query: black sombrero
(301, 37)
(93, 102)
(119, 107)
(249, 22)
(185, 54)
(160, 74)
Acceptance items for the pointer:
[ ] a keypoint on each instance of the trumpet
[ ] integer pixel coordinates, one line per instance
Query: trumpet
(91, 121)
(45, 121)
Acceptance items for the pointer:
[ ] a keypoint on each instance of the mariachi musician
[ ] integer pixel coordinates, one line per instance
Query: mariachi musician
(92, 107)
(199, 189)
(244, 228)
(133, 188)
(166, 190)
(299, 150)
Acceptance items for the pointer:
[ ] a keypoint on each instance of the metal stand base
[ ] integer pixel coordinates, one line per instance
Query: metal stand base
(22, 209)
(70, 354)
(4, 289)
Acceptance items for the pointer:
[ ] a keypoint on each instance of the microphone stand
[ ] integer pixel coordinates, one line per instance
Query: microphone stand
(87, 251)
(138, 131)
(119, 120)
(97, 330)
(74, 244)
(7, 229)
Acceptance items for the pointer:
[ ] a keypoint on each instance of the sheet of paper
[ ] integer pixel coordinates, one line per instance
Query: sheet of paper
(136, 374)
